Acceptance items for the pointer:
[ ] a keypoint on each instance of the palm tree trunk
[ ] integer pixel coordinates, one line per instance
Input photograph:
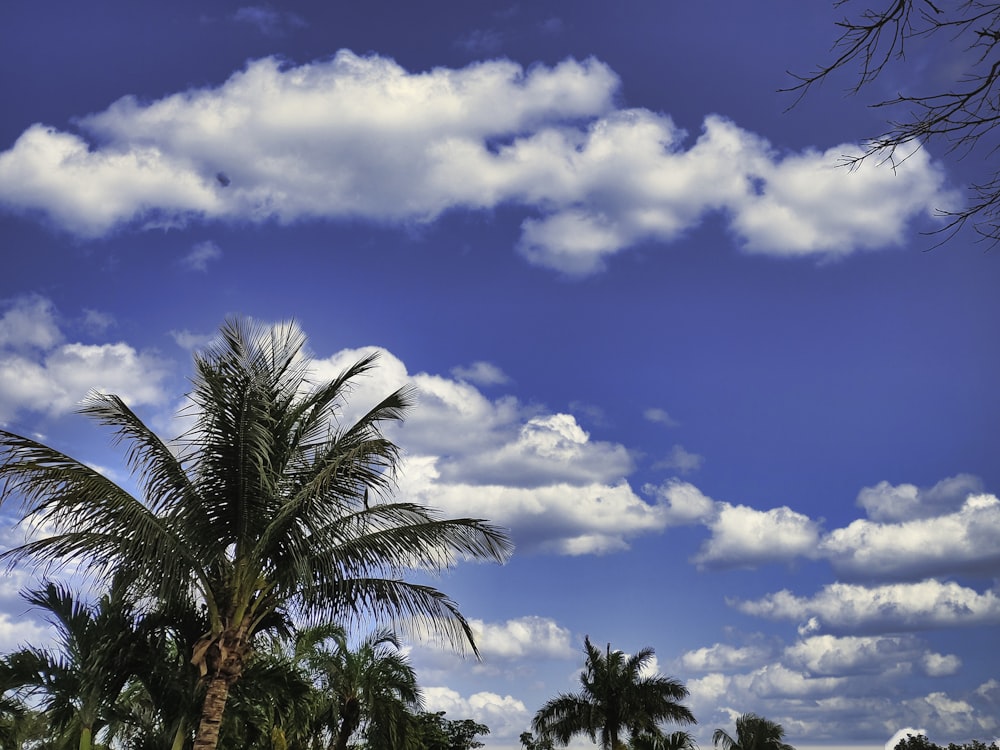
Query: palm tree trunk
(86, 738)
(216, 695)
(223, 661)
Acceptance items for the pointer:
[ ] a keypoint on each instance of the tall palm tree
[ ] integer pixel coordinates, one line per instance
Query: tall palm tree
(260, 508)
(616, 701)
(98, 648)
(753, 732)
(370, 688)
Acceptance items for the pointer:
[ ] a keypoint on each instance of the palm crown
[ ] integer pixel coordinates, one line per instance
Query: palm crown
(616, 699)
(753, 732)
(262, 507)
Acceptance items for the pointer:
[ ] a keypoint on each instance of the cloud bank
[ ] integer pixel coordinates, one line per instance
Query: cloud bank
(40, 370)
(356, 137)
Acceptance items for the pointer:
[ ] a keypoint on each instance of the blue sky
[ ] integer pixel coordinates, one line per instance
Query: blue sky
(731, 401)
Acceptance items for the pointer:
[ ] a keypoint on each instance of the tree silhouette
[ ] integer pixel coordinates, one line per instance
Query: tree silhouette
(961, 112)
(753, 732)
(616, 701)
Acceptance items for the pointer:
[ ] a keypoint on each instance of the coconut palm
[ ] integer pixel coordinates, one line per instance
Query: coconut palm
(371, 688)
(753, 732)
(97, 650)
(674, 741)
(617, 701)
(261, 507)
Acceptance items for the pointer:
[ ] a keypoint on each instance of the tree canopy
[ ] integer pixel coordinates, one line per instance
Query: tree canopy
(617, 700)
(268, 510)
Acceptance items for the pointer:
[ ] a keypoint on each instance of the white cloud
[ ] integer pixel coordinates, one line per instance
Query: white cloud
(190, 340)
(807, 204)
(22, 632)
(360, 137)
(680, 460)
(953, 717)
(557, 518)
(200, 256)
(904, 502)
(904, 606)
(684, 503)
(941, 665)
(968, 539)
(538, 474)
(743, 536)
(931, 542)
(29, 322)
(41, 372)
(481, 373)
(529, 637)
(721, 657)
(505, 715)
(547, 449)
(868, 655)
(660, 416)
(901, 735)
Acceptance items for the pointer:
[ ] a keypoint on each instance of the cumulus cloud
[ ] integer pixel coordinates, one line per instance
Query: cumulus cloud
(721, 657)
(902, 735)
(21, 632)
(522, 638)
(950, 715)
(29, 322)
(40, 371)
(868, 655)
(744, 536)
(965, 540)
(905, 606)
(905, 502)
(481, 373)
(684, 503)
(536, 473)
(942, 531)
(558, 518)
(505, 715)
(363, 138)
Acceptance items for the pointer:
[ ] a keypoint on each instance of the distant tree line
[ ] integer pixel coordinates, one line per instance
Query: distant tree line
(921, 742)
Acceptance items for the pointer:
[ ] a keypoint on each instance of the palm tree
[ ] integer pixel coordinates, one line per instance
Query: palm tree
(674, 741)
(371, 688)
(20, 726)
(260, 508)
(98, 649)
(616, 700)
(753, 732)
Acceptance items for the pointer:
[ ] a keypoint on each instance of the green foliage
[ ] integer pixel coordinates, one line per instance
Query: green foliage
(674, 741)
(531, 741)
(261, 511)
(98, 649)
(616, 701)
(753, 732)
(921, 742)
(434, 732)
